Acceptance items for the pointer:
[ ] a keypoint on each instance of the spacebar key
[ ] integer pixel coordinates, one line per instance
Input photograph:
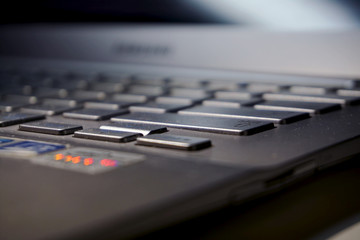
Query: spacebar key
(198, 123)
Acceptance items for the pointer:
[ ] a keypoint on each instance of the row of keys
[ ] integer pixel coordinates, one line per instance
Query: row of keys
(121, 134)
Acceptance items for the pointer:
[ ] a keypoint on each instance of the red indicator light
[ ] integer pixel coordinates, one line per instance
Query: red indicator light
(76, 160)
(59, 156)
(88, 161)
(108, 163)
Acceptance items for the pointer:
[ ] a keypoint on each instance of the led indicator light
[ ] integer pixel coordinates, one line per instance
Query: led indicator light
(59, 156)
(108, 163)
(68, 158)
(76, 160)
(88, 161)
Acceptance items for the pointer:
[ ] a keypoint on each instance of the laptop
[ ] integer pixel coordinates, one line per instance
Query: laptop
(114, 130)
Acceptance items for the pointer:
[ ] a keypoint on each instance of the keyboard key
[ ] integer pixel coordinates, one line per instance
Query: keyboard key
(189, 92)
(132, 98)
(94, 114)
(265, 87)
(88, 95)
(108, 87)
(231, 103)
(180, 100)
(144, 129)
(158, 107)
(348, 92)
(61, 102)
(11, 106)
(309, 107)
(236, 95)
(147, 90)
(50, 128)
(280, 117)
(328, 98)
(44, 92)
(198, 123)
(48, 110)
(149, 80)
(107, 135)
(311, 90)
(174, 141)
(186, 82)
(21, 98)
(111, 105)
(7, 119)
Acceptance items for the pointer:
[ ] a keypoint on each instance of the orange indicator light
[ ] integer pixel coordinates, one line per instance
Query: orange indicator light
(108, 163)
(88, 161)
(68, 158)
(76, 159)
(59, 156)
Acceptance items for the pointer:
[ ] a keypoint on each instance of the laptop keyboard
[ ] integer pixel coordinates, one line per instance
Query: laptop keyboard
(141, 108)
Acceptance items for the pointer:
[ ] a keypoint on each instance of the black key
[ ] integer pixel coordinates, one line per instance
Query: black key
(50, 128)
(174, 141)
(11, 106)
(309, 107)
(311, 90)
(149, 80)
(63, 102)
(111, 105)
(158, 107)
(328, 98)
(185, 82)
(348, 92)
(132, 98)
(189, 92)
(147, 90)
(7, 119)
(107, 135)
(94, 114)
(281, 117)
(236, 95)
(198, 123)
(108, 87)
(45, 92)
(231, 103)
(48, 110)
(88, 95)
(265, 87)
(144, 129)
(21, 98)
(180, 100)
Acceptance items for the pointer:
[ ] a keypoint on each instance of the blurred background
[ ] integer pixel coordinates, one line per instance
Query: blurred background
(276, 14)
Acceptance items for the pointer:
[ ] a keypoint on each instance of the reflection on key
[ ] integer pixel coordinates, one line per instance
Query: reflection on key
(281, 117)
(132, 98)
(349, 92)
(158, 108)
(50, 128)
(7, 119)
(328, 98)
(180, 100)
(231, 103)
(107, 135)
(198, 123)
(48, 110)
(94, 114)
(174, 141)
(309, 107)
(112, 105)
(311, 90)
(236, 95)
(144, 129)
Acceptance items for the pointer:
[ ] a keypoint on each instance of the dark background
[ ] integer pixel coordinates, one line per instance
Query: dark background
(138, 11)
